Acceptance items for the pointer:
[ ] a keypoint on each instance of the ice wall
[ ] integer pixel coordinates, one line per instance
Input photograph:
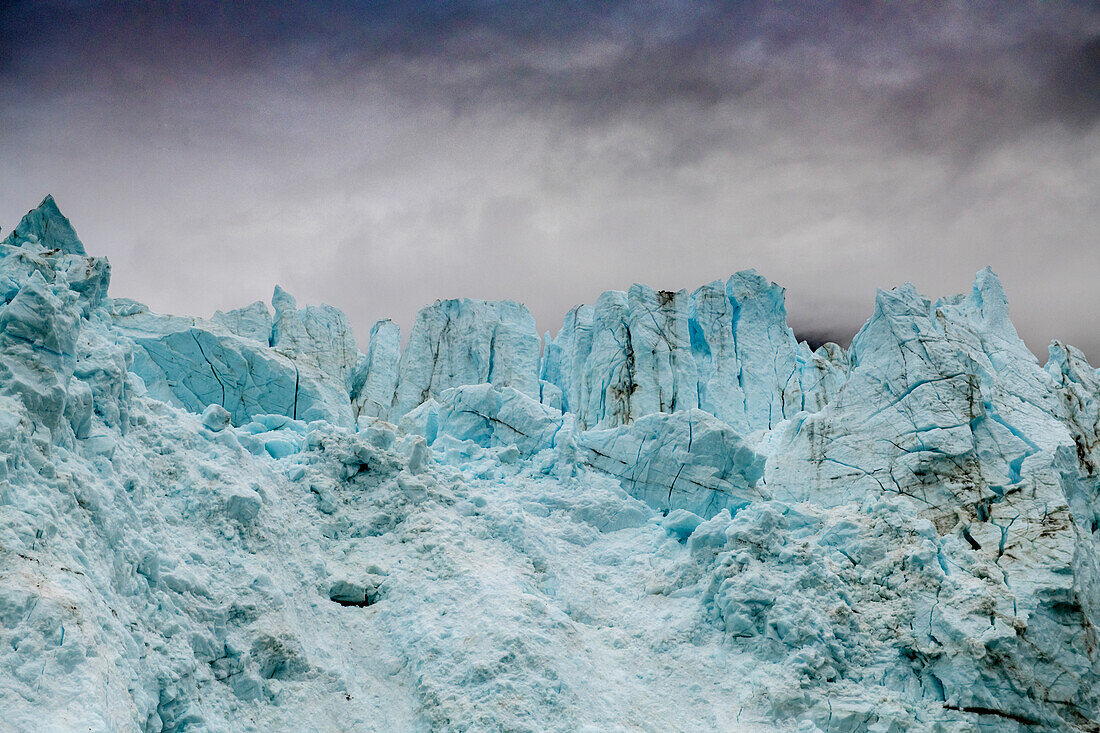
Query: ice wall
(243, 521)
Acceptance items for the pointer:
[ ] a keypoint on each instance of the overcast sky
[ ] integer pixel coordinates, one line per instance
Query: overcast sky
(379, 156)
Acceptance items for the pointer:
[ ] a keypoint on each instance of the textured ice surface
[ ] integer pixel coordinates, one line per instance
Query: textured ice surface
(669, 516)
(45, 227)
(725, 349)
(375, 379)
(193, 363)
(458, 342)
(687, 459)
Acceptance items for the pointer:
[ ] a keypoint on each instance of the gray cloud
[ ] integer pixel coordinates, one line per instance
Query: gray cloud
(381, 159)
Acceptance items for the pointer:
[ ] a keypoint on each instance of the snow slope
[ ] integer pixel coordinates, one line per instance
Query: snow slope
(669, 516)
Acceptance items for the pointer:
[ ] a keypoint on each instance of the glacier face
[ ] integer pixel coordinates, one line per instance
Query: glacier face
(671, 515)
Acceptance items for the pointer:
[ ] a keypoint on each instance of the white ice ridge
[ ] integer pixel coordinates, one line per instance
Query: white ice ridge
(671, 515)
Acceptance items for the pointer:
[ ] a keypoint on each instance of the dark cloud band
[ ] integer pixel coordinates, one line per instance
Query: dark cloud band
(382, 154)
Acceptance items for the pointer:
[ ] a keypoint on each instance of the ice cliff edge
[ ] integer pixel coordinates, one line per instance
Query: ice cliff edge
(246, 521)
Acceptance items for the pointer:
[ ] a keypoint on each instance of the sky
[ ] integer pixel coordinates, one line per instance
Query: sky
(378, 156)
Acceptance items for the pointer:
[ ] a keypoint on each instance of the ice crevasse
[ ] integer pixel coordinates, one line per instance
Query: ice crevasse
(671, 515)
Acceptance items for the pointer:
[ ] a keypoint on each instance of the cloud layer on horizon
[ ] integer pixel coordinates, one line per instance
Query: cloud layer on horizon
(379, 160)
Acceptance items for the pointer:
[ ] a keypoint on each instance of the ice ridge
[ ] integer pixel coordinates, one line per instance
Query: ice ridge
(669, 515)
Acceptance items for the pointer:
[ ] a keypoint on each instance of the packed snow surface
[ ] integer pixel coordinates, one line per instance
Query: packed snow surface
(671, 516)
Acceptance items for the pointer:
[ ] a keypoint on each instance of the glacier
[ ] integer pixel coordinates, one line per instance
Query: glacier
(671, 515)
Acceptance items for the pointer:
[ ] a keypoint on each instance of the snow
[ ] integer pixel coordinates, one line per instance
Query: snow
(669, 516)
